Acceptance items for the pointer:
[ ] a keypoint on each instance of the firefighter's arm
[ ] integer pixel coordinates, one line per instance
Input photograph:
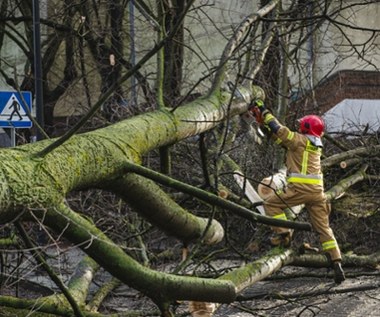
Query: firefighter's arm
(280, 134)
(267, 117)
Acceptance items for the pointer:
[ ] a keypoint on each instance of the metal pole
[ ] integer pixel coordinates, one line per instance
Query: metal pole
(38, 67)
(13, 137)
(133, 51)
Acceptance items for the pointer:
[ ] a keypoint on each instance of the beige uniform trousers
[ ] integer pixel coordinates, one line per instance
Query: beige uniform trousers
(318, 209)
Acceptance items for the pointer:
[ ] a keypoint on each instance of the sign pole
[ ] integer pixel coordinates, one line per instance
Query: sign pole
(13, 137)
(38, 67)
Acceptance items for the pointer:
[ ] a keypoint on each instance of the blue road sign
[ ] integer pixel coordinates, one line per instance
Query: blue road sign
(14, 107)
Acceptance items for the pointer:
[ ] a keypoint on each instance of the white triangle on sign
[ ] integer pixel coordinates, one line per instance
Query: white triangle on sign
(11, 106)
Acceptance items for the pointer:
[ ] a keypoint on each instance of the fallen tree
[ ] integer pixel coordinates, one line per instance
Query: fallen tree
(33, 188)
(36, 192)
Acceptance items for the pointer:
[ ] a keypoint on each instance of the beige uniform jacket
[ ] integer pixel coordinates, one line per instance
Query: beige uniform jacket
(303, 159)
(305, 186)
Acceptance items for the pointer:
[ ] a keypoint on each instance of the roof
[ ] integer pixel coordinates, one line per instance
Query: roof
(354, 116)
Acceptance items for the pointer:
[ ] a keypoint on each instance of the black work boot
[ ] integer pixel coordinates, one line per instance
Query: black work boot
(338, 272)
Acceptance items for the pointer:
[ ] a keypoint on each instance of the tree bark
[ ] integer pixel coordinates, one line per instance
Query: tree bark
(158, 208)
(258, 270)
(339, 189)
(359, 152)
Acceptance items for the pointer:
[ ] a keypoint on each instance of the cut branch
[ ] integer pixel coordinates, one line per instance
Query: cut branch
(344, 184)
(361, 152)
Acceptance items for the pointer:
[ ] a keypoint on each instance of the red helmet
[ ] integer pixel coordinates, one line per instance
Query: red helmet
(312, 124)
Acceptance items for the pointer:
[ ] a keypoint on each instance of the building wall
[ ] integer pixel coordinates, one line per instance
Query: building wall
(339, 72)
(208, 30)
(335, 51)
(345, 84)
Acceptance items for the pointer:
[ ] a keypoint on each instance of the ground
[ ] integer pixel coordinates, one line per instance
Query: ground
(304, 292)
(293, 291)
(333, 301)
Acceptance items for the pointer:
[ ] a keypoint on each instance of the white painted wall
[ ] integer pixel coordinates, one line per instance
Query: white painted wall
(12, 57)
(208, 30)
(333, 51)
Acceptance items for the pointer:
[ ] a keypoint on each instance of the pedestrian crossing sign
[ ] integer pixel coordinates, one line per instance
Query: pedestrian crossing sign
(14, 109)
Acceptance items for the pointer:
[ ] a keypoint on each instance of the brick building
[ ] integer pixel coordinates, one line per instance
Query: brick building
(346, 84)
(349, 100)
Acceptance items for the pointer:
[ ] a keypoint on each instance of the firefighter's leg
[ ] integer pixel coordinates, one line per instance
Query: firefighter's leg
(274, 207)
(319, 217)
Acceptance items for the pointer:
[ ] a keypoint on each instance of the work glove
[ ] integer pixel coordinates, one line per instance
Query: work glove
(259, 104)
(257, 107)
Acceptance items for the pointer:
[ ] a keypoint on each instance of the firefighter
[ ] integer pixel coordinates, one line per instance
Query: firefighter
(305, 181)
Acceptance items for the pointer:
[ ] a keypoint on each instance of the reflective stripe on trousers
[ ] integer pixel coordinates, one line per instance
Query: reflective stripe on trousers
(328, 245)
(305, 179)
(280, 216)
